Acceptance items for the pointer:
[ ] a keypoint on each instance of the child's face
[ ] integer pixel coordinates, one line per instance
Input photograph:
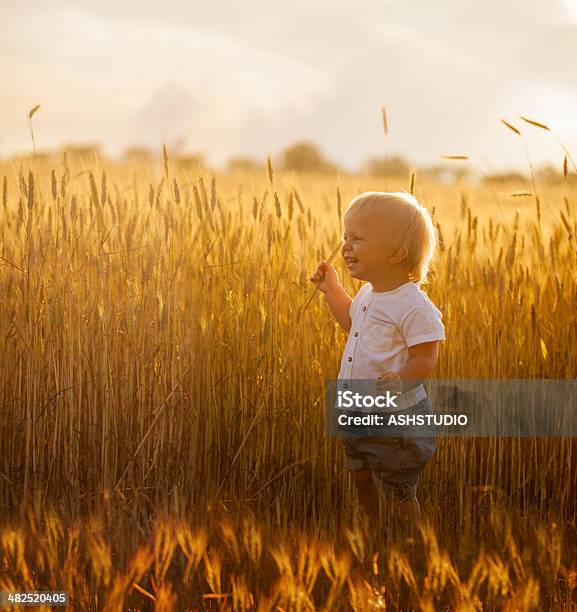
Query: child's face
(367, 247)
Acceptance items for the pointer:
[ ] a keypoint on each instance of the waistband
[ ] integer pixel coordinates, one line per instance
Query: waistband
(409, 398)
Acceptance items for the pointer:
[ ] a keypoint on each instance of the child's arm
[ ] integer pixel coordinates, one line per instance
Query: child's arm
(421, 364)
(423, 360)
(336, 297)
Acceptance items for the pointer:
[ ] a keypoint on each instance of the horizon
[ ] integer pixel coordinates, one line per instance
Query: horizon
(444, 168)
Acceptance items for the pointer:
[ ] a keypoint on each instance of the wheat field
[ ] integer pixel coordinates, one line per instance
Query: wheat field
(162, 391)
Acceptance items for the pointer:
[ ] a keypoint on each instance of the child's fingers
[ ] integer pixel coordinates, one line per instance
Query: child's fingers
(389, 381)
(326, 269)
(318, 274)
(385, 381)
(388, 376)
(384, 384)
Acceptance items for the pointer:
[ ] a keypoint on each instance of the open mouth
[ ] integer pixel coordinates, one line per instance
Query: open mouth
(350, 261)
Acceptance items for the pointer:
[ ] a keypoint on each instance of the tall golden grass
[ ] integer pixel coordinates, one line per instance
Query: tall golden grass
(162, 391)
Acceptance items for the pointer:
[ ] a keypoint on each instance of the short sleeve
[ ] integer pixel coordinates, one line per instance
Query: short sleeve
(356, 301)
(422, 324)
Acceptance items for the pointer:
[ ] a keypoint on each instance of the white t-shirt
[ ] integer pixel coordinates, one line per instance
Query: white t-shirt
(384, 326)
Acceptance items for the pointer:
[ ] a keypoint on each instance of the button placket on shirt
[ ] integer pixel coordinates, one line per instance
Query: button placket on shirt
(354, 343)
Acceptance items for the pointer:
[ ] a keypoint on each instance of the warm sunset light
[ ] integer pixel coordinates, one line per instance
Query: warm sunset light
(231, 79)
(288, 305)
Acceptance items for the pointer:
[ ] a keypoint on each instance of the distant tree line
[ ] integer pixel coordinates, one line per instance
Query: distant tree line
(306, 157)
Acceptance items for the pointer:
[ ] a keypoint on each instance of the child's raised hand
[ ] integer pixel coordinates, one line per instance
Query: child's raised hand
(325, 277)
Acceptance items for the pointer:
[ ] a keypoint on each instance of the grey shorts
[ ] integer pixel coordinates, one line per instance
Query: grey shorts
(395, 462)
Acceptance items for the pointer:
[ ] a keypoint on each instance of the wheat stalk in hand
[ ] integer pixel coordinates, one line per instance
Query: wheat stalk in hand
(329, 260)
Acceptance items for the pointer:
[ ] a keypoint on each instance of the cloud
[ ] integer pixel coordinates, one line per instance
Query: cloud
(254, 77)
(163, 118)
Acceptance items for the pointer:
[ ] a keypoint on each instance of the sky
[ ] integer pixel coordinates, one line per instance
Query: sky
(229, 78)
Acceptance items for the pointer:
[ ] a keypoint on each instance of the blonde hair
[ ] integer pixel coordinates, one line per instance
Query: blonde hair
(413, 227)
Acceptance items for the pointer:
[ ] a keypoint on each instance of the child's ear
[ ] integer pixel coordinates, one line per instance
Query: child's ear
(398, 255)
